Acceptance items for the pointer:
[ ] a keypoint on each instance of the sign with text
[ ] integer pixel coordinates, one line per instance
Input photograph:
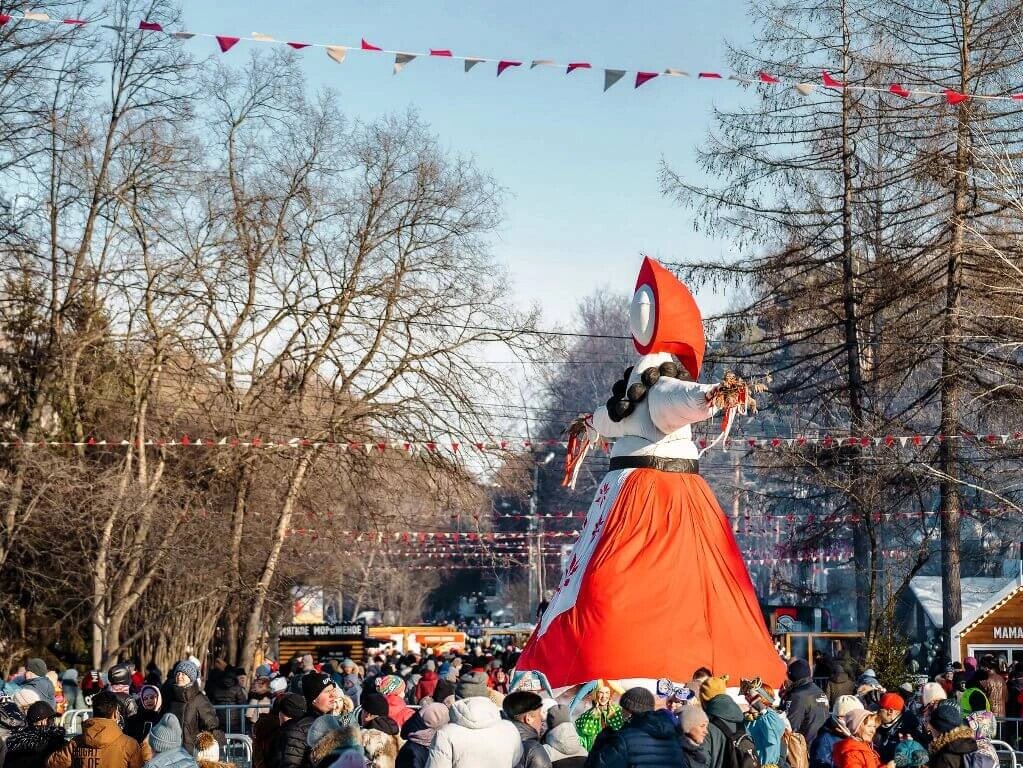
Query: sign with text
(349, 630)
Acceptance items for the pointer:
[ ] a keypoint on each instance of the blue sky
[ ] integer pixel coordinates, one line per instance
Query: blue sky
(580, 166)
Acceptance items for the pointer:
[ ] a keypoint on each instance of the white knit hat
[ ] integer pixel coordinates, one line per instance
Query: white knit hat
(932, 692)
(25, 698)
(844, 705)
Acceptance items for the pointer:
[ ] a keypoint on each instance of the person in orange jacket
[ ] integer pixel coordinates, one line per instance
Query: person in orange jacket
(857, 751)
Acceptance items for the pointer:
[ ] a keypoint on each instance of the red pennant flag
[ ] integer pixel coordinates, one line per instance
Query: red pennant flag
(226, 43)
(150, 26)
(77, 22)
(573, 66)
(369, 46)
(898, 90)
(830, 82)
(299, 46)
(185, 440)
(440, 52)
(766, 78)
(504, 64)
(644, 77)
(4, 18)
(955, 97)
(1015, 96)
(708, 76)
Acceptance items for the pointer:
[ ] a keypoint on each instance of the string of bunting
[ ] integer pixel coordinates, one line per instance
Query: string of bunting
(413, 447)
(611, 76)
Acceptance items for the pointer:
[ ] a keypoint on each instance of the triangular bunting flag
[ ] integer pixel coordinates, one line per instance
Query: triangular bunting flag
(470, 63)
(766, 78)
(369, 46)
(150, 26)
(4, 18)
(183, 35)
(76, 22)
(298, 46)
(400, 60)
(574, 65)
(804, 88)
(644, 77)
(709, 76)
(676, 72)
(829, 81)
(541, 63)
(440, 52)
(262, 38)
(612, 76)
(955, 97)
(36, 17)
(898, 90)
(337, 53)
(226, 43)
(505, 64)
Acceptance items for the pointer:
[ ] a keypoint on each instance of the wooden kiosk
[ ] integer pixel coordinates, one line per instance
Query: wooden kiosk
(995, 628)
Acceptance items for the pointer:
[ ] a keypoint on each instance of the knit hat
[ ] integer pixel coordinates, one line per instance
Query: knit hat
(844, 705)
(39, 711)
(520, 702)
(320, 727)
(798, 670)
(206, 747)
(374, 704)
(188, 669)
(70, 675)
(391, 684)
(892, 700)
(855, 719)
(431, 665)
(713, 686)
(910, 754)
(946, 717)
(932, 692)
(278, 685)
(691, 717)
(347, 664)
(166, 734)
(263, 670)
(638, 700)
(36, 667)
(435, 715)
(25, 698)
(315, 683)
(292, 706)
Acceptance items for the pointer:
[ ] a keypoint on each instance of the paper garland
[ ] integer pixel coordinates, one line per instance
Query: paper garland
(612, 76)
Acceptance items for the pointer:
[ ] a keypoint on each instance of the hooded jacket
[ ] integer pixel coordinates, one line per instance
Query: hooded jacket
(564, 746)
(888, 736)
(100, 745)
(29, 747)
(766, 731)
(839, 684)
(648, 740)
(807, 708)
(476, 737)
(721, 707)
(193, 710)
(472, 684)
(822, 749)
(426, 686)
(949, 749)
(138, 725)
(853, 753)
(44, 688)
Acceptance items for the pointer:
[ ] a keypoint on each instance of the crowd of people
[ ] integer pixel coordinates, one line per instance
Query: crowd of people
(461, 711)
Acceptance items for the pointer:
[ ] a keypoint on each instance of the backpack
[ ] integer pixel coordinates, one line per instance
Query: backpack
(794, 745)
(740, 751)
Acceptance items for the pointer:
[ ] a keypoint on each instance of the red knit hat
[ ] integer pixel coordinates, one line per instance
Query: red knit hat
(892, 700)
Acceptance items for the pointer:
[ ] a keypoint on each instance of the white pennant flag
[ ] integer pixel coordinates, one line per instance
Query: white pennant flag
(612, 76)
(902, 440)
(541, 63)
(262, 38)
(400, 60)
(337, 53)
(671, 71)
(470, 63)
(804, 88)
(36, 17)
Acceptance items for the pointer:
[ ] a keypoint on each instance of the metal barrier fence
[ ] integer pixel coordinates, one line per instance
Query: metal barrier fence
(1010, 730)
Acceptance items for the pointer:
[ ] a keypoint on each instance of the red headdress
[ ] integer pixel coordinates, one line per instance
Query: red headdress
(665, 318)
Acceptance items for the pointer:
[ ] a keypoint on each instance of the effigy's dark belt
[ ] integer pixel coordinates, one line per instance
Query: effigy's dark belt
(682, 466)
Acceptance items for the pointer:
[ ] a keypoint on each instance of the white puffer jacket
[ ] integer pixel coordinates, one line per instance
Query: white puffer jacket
(476, 737)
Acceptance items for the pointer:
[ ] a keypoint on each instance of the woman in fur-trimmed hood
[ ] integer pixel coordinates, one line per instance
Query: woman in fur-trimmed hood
(953, 740)
(328, 741)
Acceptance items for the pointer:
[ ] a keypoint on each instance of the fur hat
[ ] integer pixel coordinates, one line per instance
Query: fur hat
(637, 700)
(713, 686)
(206, 747)
(519, 703)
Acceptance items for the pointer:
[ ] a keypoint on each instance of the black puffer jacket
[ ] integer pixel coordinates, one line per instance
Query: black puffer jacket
(29, 747)
(648, 740)
(194, 711)
(289, 748)
(807, 708)
(226, 690)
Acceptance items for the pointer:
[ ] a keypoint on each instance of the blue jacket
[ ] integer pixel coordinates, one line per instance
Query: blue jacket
(766, 731)
(821, 749)
(648, 740)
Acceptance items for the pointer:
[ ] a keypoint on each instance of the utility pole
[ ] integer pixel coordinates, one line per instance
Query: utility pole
(536, 529)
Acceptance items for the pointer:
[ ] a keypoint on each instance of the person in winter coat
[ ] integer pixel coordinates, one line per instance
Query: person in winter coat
(839, 684)
(31, 745)
(72, 692)
(832, 732)
(896, 726)
(807, 705)
(290, 748)
(287, 706)
(952, 741)
(472, 683)
(562, 741)
(101, 743)
(647, 740)
(427, 682)
(119, 682)
(36, 680)
(333, 744)
(164, 741)
(351, 682)
(183, 699)
(150, 701)
(11, 718)
(857, 751)
(374, 714)
(224, 689)
(476, 736)
(993, 685)
(259, 695)
(525, 710)
(766, 727)
(694, 725)
(418, 733)
(725, 719)
(392, 688)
